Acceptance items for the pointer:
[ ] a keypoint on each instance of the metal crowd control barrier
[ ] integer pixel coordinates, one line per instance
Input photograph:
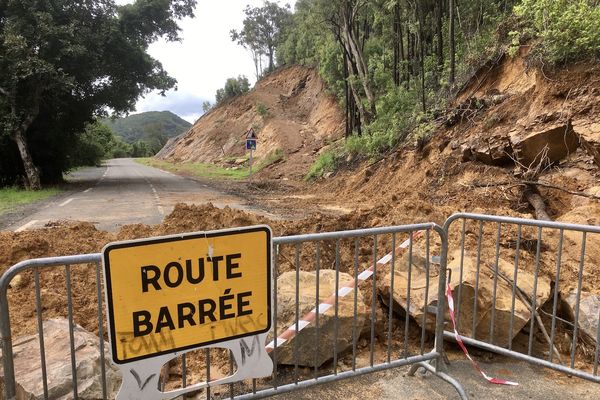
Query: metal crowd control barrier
(508, 251)
(357, 254)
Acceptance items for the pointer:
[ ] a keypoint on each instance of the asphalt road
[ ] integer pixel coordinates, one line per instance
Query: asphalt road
(120, 193)
(535, 383)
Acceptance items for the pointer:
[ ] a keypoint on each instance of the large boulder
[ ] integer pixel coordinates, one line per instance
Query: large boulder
(423, 294)
(553, 143)
(589, 134)
(28, 371)
(495, 150)
(306, 340)
(589, 312)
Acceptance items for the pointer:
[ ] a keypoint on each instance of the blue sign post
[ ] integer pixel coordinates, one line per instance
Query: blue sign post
(251, 139)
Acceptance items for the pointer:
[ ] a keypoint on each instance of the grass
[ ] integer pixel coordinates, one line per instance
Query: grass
(212, 171)
(14, 197)
(196, 169)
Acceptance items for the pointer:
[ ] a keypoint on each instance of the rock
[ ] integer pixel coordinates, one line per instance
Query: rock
(589, 310)
(466, 154)
(424, 295)
(328, 175)
(307, 338)
(559, 139)
(589, 134)
(28, 371)
(17, 282)
(240, 161)
(496, 151)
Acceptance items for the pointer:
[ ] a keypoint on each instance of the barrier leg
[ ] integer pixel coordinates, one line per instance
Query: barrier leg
(442, 375)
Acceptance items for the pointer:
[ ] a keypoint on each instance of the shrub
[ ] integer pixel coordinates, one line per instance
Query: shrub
(569, 28)
(325, 163)
(262, 110)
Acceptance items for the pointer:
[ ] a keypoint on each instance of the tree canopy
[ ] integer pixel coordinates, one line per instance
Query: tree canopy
(233, 87)
(262, 32)
(64, 62)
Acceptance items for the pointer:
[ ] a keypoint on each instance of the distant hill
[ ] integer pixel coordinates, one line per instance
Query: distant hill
(153, 127)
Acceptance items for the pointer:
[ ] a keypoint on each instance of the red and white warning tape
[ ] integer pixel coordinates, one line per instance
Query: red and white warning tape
(329, 302)
(346, 289)
(497, 381)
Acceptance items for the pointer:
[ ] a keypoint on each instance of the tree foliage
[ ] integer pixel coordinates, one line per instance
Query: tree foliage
(391, 63)
(63, 62)
(233, 87)
(262, 32)
(569, 28)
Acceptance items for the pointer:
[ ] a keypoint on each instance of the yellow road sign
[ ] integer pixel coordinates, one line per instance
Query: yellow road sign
(178, 292)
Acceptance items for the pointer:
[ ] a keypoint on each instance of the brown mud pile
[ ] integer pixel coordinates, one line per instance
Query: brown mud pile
(500, 137)
(289, 110)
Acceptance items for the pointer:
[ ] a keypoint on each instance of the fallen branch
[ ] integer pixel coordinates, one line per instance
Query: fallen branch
(522, 296)
(536, 183)
(536, 201)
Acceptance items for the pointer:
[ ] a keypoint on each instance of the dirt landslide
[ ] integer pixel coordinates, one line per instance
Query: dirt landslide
(497, 143)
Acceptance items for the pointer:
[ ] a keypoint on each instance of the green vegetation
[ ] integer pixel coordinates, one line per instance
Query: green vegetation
(262, 110)
(12, 197)
(394, 64)
(96, 143)
(233, 87)
(273, 157)
(212, 171)
(326, 162)
(262, 32)
(149, 131)
(569, 29)
(62, 64)
(200, 170)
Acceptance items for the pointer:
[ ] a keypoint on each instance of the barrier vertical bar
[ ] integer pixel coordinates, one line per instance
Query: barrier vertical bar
(336, 306)
(101, 330)
(354, 333)
(38, 310)
(461, 271)
(71, 334)
(495, 287)
(441, 296)
(478, 269)
(514, 289)
(534, 291)
(373, 302)
(578, 299)
(6, 339)
(555, 302)
(208, 396)
(391, 300)
(275, 276)
(317, 301)
(426, 303)
(297, 323)
(408, 279)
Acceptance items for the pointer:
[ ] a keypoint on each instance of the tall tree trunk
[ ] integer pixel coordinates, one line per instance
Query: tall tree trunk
(421, 13)
(271, 63)
(350, 66)
(397, 33)
(347, 98)
(357, 55)
(439, 4)
(31, 171)
(451, 39)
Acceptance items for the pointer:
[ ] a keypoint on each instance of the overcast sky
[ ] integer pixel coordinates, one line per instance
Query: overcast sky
(204, 59)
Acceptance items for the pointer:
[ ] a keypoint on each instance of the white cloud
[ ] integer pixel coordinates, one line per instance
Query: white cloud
(204, 59)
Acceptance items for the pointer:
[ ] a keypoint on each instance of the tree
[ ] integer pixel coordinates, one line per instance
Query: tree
(63, 62)
(233, 87)
(452, 41)
(262, 32)
(206, 106)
